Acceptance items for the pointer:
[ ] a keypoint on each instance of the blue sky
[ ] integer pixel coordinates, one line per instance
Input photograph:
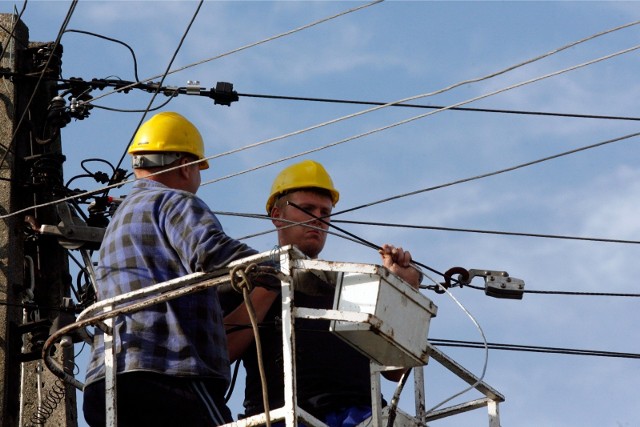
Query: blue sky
(391, 51)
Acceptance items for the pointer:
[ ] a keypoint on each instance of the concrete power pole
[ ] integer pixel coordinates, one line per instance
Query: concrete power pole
(34, 273)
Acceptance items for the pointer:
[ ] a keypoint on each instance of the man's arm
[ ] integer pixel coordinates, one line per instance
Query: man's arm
(239, 340)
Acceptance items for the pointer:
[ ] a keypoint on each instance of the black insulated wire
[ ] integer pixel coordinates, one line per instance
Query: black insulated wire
(496, 232)
(534, 349)
(360, 239)
(440, 107)
(133, 54)
(489, 174)
(164, 76)
(455, 281)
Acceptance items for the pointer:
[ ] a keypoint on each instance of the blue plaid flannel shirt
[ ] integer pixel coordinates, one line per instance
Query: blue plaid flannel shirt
(158, 234)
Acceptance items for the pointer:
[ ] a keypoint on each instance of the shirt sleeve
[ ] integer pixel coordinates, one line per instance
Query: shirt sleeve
(197, 236)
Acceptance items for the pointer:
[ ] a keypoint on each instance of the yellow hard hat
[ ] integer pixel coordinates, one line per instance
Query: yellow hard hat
(168, 132)
(306, 174)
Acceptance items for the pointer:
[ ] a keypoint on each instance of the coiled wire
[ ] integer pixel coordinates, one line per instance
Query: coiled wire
(49, 403)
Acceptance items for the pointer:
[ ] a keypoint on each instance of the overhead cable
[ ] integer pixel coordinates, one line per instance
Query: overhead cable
(500, 233)
(353, 236)
(430, 227)
(465, 82)
(569, 293)
(133, 54)
(401, 122)
(460, 181)
(530, 348)
(452, 106)
(412, 193)
(437, 92)
(356, 239)
(120, 110)
(486, 175)
(168, 68)
(438, 107)
(284, 34)
(366, 133)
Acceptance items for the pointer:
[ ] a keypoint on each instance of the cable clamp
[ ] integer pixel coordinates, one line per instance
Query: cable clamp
(223, 94)
(499, 284)
(193, 87)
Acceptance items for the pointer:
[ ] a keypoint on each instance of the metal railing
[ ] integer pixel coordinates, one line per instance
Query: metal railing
(372, 328)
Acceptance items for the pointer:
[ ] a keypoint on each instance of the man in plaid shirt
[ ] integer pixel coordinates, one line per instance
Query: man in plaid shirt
(172, 359)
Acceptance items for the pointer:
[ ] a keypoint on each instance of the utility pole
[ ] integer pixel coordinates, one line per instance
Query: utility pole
(34, 271)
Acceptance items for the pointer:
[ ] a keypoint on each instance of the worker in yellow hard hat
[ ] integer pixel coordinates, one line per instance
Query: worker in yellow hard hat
(165, 138)
(333, 380)
(308, 183)
(174, 351)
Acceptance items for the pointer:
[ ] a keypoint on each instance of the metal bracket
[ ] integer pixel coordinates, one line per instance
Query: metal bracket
(72, 231)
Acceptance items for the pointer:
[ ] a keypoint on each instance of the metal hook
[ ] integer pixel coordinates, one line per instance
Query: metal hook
(463, 279)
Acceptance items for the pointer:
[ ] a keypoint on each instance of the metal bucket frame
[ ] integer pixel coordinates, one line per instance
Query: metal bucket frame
(290, 258)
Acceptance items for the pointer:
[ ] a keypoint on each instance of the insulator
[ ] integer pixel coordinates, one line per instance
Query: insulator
(58, 117)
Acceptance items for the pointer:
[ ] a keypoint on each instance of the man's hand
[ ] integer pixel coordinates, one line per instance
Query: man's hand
(398, 261)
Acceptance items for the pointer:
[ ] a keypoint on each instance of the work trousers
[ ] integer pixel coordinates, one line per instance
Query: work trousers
(149, 399)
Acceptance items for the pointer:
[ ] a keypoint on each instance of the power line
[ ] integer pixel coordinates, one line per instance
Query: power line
(397, 123)
(576, 293)
(437, 92)
(388, 199)
(360, 240)
(486, 175)
(245, 47)
(133, 54)
(440, 107)
(414, 118)
(500, 233)
(356, 239)
(173, 57)
(461, 230)
(148, 109)
(473, 80)
(397, 102)
(535, 349)
(568, 293)
(401, 122)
